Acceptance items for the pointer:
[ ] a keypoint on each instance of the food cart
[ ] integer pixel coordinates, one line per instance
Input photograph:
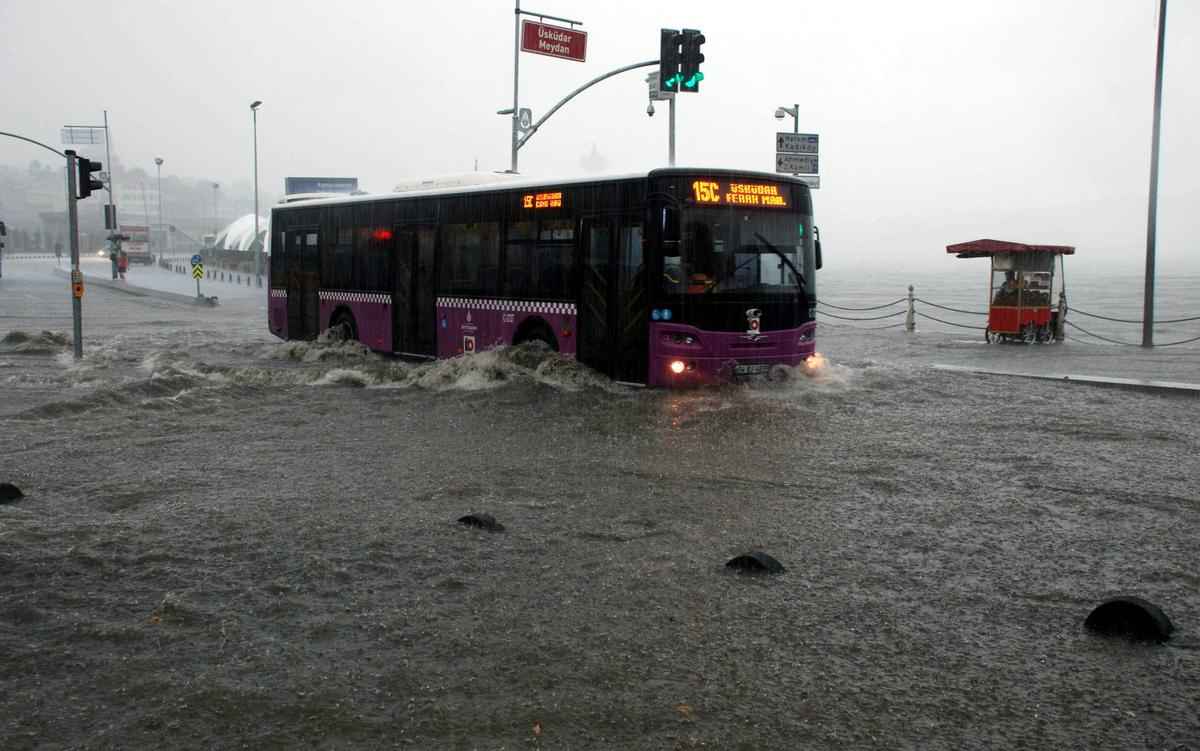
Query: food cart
(1022, 303)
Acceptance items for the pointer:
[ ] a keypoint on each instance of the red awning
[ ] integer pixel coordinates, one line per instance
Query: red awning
(982, 248)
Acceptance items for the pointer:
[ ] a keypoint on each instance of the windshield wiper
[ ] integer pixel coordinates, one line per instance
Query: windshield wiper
(782, 257)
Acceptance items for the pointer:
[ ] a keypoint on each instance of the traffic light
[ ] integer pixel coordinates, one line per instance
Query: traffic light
(690, 59)
(668, 60)
(87, 183)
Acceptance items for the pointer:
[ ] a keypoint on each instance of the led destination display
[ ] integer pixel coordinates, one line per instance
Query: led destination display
(740, 193)
(542, 200)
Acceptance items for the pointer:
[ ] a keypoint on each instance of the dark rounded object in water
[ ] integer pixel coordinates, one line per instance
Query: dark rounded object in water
(486, 522)
(755, 562)
(9, 492)
(1132, 618)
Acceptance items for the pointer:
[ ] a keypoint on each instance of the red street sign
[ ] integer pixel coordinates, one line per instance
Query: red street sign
(554, 41)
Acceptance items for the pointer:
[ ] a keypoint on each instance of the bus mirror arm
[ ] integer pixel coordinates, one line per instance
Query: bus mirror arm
(817, 246)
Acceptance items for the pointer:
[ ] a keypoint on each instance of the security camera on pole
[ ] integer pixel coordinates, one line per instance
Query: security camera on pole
(797, 152)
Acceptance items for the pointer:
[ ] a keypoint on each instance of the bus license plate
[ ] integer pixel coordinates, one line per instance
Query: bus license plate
(751, 368)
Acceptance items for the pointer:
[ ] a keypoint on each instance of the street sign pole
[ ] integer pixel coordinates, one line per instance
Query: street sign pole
(76, 274)
(198, 271)
(516, 122)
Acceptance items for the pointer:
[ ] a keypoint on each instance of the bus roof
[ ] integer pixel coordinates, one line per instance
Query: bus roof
(457, 184)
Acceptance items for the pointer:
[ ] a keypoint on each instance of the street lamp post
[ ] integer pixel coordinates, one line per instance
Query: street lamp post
(216, 223)
(257, 251)
(158, 162)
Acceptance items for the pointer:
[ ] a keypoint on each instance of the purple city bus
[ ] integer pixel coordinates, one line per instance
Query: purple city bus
(678, 276)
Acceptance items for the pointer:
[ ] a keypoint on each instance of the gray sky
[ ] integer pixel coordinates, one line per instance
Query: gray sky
(940, 120)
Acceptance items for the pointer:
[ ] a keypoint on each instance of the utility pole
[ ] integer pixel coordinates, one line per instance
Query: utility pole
(1152, 220)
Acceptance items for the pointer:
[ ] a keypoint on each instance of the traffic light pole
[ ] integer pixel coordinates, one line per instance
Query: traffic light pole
(73, 224)
(671, 129)
(76, 274)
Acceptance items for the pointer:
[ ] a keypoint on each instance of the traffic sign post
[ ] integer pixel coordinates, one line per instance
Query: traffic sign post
(797, 152)
(797, 163)
(197, 271)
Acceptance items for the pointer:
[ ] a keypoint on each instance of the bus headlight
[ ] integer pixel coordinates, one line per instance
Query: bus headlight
(677, 366)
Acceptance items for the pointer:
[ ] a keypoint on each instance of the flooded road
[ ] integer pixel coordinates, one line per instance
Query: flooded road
(231, 541)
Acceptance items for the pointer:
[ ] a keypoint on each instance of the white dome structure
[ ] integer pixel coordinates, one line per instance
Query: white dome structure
(239, 235)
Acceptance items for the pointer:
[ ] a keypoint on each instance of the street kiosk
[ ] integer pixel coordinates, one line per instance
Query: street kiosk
(1022, 305)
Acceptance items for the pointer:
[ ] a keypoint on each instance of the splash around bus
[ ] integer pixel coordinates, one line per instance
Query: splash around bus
(671, 277)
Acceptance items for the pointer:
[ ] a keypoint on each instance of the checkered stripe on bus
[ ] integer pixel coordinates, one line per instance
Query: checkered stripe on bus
(325, 295)
(509, 306)
(280, 293)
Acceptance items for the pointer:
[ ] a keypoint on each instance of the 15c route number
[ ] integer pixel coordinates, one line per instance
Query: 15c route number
(707, 192)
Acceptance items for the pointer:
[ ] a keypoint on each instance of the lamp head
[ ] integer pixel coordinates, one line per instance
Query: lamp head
(254, 104)
(158, 161)
(779, 113)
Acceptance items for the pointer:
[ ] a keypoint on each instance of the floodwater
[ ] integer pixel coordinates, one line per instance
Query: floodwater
(231, 541)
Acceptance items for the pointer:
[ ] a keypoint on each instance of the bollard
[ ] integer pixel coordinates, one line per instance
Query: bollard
(910, 319)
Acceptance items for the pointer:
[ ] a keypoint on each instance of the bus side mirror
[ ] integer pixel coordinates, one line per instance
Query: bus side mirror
(817, 245)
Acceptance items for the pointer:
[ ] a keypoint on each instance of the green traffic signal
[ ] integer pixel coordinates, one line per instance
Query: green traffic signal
(690, 58)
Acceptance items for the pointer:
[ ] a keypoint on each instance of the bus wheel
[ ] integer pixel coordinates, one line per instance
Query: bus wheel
(342, 327)
(535, 330)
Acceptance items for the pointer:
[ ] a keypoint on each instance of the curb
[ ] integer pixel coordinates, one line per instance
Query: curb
(1135, 384)
(128, 289)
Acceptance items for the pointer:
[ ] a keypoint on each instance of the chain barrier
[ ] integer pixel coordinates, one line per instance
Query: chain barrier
(985, 313)
(956, 310)
(862, 328)
(870, 318)
(951, 323)
(1129, 344)
(876, 307)
(1138, 321)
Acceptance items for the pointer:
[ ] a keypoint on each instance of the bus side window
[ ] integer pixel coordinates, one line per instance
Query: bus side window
(670, 224)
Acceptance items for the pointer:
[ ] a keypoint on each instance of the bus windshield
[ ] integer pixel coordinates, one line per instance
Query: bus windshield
(734, 251)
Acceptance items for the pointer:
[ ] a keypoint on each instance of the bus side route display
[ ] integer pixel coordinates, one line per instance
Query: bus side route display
(553, 200)
(740, 193)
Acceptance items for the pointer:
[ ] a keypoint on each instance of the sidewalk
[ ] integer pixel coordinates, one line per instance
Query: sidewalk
(154, 281)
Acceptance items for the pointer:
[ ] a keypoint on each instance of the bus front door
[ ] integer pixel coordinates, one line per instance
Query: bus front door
(414, 322)
(303, 268)
(613, 325)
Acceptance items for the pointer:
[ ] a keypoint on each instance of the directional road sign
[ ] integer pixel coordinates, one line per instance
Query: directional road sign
(797, 163)
(198, 271)
(797, 143)
(197, 260)
(812, 181)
